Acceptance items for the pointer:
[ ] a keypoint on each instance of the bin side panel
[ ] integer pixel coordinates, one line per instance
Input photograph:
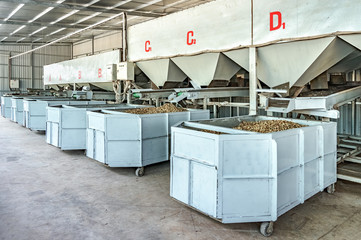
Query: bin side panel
(154, 126)
(287, 151)
(246, 157)
(96, 121)
(90, 143)
(19, 117)
(174, 118)
(53, 115)
(288, 186)
(248, 182)
(73, 118)
(55, 134)
(245, 200)
(204, 188)
(7, 112)
(20, 105)
(37, 123)
(73, 139)
(330, 169)
(123, 154)
(155, 150)
(122, 127)
(192, 146)
(311, 147)
(200, 115)
(48, 133)
(180, 179)
(37, 108)
(13, 114)
(330, 138)
(312, 178)
(99, 146)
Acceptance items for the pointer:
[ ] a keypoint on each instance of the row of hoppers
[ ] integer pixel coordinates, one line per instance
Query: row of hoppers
(229, 174)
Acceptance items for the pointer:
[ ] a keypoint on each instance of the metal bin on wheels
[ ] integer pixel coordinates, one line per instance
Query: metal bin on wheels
(120, 139)
(236, 176)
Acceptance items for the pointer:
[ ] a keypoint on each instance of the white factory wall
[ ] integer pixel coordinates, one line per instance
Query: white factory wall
(29, 68)
(98, 44)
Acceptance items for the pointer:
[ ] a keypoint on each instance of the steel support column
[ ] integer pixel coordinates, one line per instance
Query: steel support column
(252, 81)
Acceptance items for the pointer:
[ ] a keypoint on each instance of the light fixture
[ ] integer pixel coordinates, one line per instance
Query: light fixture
(67, 36)
(14, 11)
(139, 7)
(145, 5)
(118, 4)
(37, 39)
(65, 16)
(44, 12)
(86, 18)
(41, 14)
(17, 30)
(3, 39)
(59, 30)
(40, 29)
(20, 39)
(73, 12)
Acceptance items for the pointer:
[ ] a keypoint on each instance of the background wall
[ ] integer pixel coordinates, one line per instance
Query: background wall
(29, 68)
(98, 44)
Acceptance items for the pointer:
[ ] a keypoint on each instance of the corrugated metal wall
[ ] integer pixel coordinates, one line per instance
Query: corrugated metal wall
(350, 123)
(99, 44)
(29, 68)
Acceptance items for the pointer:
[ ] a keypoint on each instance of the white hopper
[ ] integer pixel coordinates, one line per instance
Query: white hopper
(161, 71)
(297, 63)
(239, 56)
(354, 40)
(205, 68)
(349, 63)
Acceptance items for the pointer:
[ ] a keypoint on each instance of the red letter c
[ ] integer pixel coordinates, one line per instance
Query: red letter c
(147, 47)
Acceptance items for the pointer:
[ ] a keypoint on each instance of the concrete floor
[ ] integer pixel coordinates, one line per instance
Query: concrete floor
(46, 193)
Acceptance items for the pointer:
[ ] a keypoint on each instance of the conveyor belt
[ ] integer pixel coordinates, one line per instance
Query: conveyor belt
(349, 158)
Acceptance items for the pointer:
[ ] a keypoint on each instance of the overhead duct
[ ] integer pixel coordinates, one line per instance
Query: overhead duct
(162, 71)
(207, 67)
(297, 63)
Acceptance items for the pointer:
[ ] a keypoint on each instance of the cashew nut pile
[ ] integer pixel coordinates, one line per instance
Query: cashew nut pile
(268, 126)
(166, 108)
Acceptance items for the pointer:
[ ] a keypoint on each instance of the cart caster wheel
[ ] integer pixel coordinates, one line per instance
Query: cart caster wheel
(266, 229)
(139, 172)
(330, 189)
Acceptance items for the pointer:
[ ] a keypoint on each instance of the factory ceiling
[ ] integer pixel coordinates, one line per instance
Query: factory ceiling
(40, 21)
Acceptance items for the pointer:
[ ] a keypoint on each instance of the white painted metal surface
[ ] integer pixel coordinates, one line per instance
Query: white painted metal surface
(299, 19)
(17, 109)
(35, 110)
(297, 63)
(120, 139)
(161, 71)
(205, 68)
(217, 25)
(229, 31)
(125, 71)
(230, 26)
(91, 69)
(66, 125)
(276, 171)
(6, 106)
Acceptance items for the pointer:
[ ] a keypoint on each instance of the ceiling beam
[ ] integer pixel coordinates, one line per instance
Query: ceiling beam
(37, 24)
(81, 8)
